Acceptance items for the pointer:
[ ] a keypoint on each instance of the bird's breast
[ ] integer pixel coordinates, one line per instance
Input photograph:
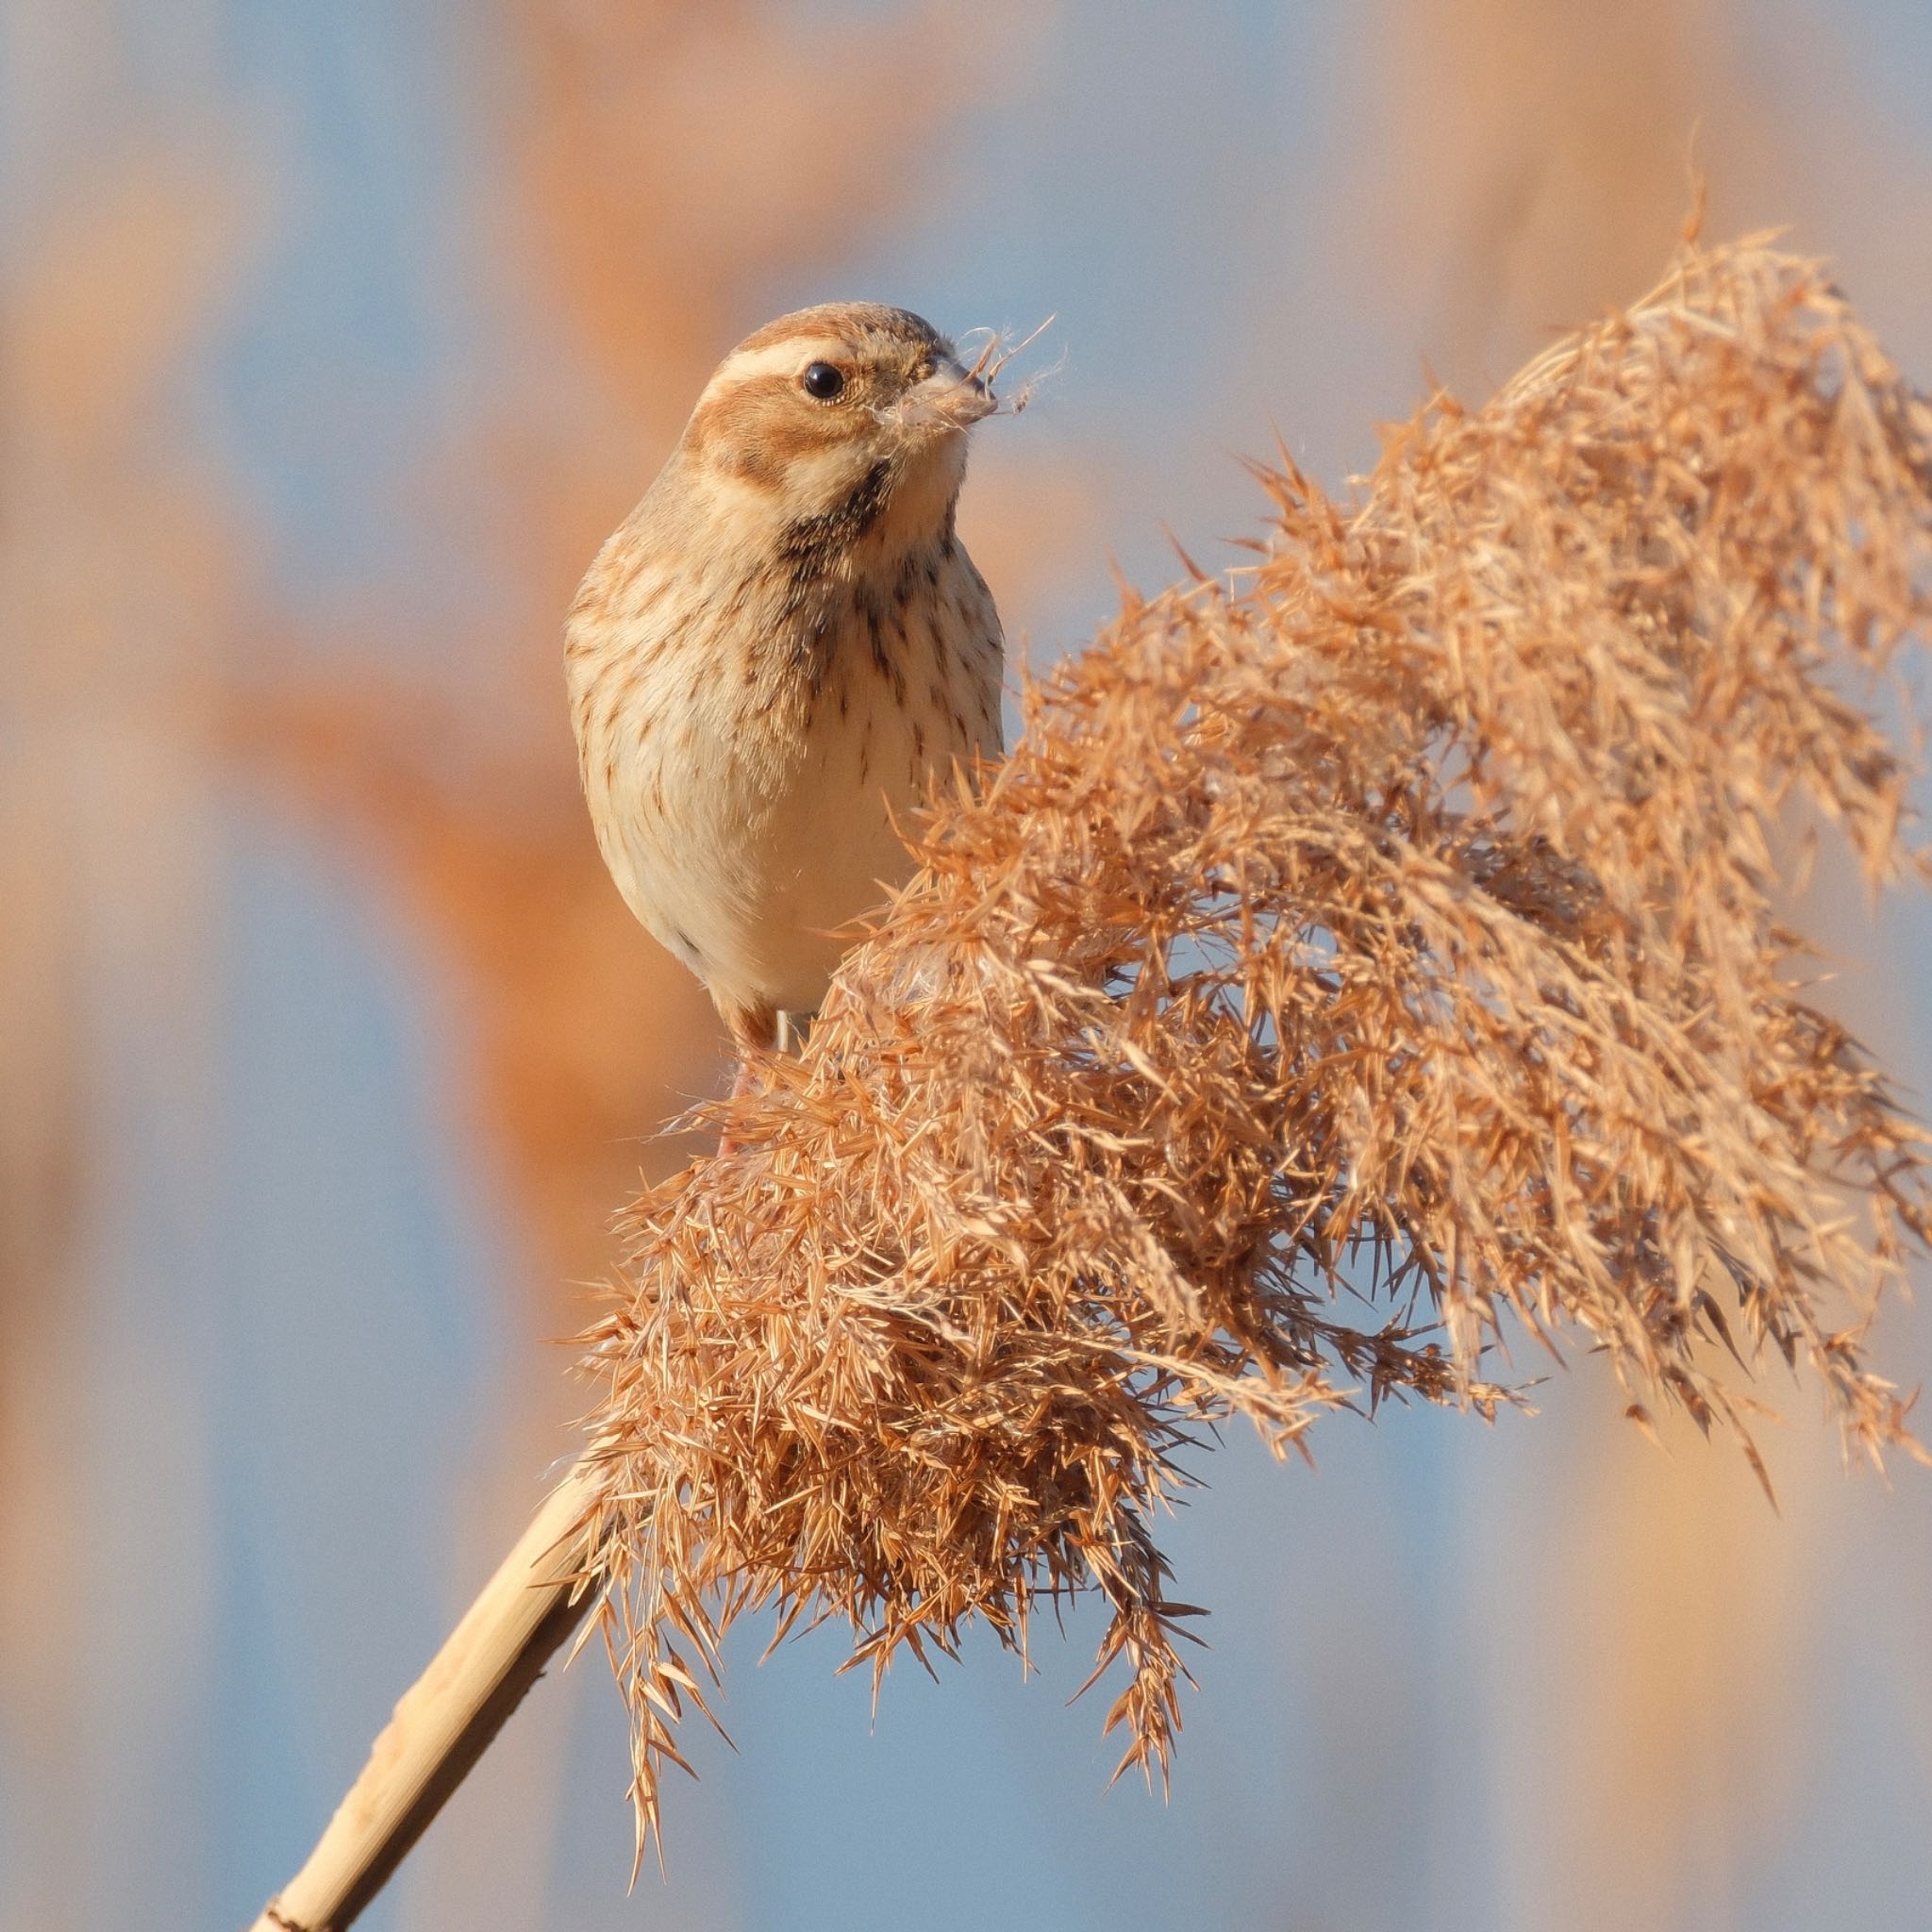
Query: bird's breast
(748, 749)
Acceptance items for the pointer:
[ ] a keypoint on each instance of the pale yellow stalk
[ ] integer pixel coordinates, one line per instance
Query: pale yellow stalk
(448, 1718)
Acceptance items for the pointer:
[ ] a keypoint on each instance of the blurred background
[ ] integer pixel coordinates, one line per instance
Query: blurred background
(336, 337)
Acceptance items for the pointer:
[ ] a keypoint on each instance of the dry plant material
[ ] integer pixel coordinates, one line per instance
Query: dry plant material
(1351, 958)
(996, 352)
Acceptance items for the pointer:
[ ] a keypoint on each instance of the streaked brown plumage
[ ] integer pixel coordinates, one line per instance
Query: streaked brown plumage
(781, 650)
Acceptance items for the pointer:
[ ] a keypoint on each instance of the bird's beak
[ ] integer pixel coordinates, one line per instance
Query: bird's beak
(952, 397)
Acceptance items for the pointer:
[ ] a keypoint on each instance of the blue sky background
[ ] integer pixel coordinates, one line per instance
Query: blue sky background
(271, 1403)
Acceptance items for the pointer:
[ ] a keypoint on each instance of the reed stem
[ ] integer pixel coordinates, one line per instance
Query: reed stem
(446, 1720)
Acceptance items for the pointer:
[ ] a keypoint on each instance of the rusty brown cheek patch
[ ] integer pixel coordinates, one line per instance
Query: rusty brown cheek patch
(756, 431)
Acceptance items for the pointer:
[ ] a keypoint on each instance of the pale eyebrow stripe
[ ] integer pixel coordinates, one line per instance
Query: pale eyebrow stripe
(774, 359)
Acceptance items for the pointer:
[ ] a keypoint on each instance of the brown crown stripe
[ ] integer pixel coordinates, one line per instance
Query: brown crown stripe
(843, 318)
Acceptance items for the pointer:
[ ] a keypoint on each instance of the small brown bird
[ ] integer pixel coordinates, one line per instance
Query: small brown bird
(782, 649)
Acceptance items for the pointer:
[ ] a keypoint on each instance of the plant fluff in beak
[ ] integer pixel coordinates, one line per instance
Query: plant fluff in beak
(952, 397)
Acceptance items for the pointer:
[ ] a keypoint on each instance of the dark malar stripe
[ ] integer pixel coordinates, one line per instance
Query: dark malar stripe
(811, 545)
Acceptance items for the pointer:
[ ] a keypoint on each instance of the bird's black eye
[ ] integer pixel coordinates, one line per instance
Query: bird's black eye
(823, 381)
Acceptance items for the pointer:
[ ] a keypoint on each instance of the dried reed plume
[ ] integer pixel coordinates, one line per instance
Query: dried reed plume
(1352, 955)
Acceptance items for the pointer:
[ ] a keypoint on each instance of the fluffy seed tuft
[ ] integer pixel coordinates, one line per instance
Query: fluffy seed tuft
(1352, 963)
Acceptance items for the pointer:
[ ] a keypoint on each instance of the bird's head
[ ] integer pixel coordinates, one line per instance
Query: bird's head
(828, 403)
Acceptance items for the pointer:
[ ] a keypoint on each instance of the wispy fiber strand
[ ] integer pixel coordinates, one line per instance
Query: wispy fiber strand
(1353, 962)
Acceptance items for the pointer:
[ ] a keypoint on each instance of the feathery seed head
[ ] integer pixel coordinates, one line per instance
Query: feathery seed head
(1351, 966)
